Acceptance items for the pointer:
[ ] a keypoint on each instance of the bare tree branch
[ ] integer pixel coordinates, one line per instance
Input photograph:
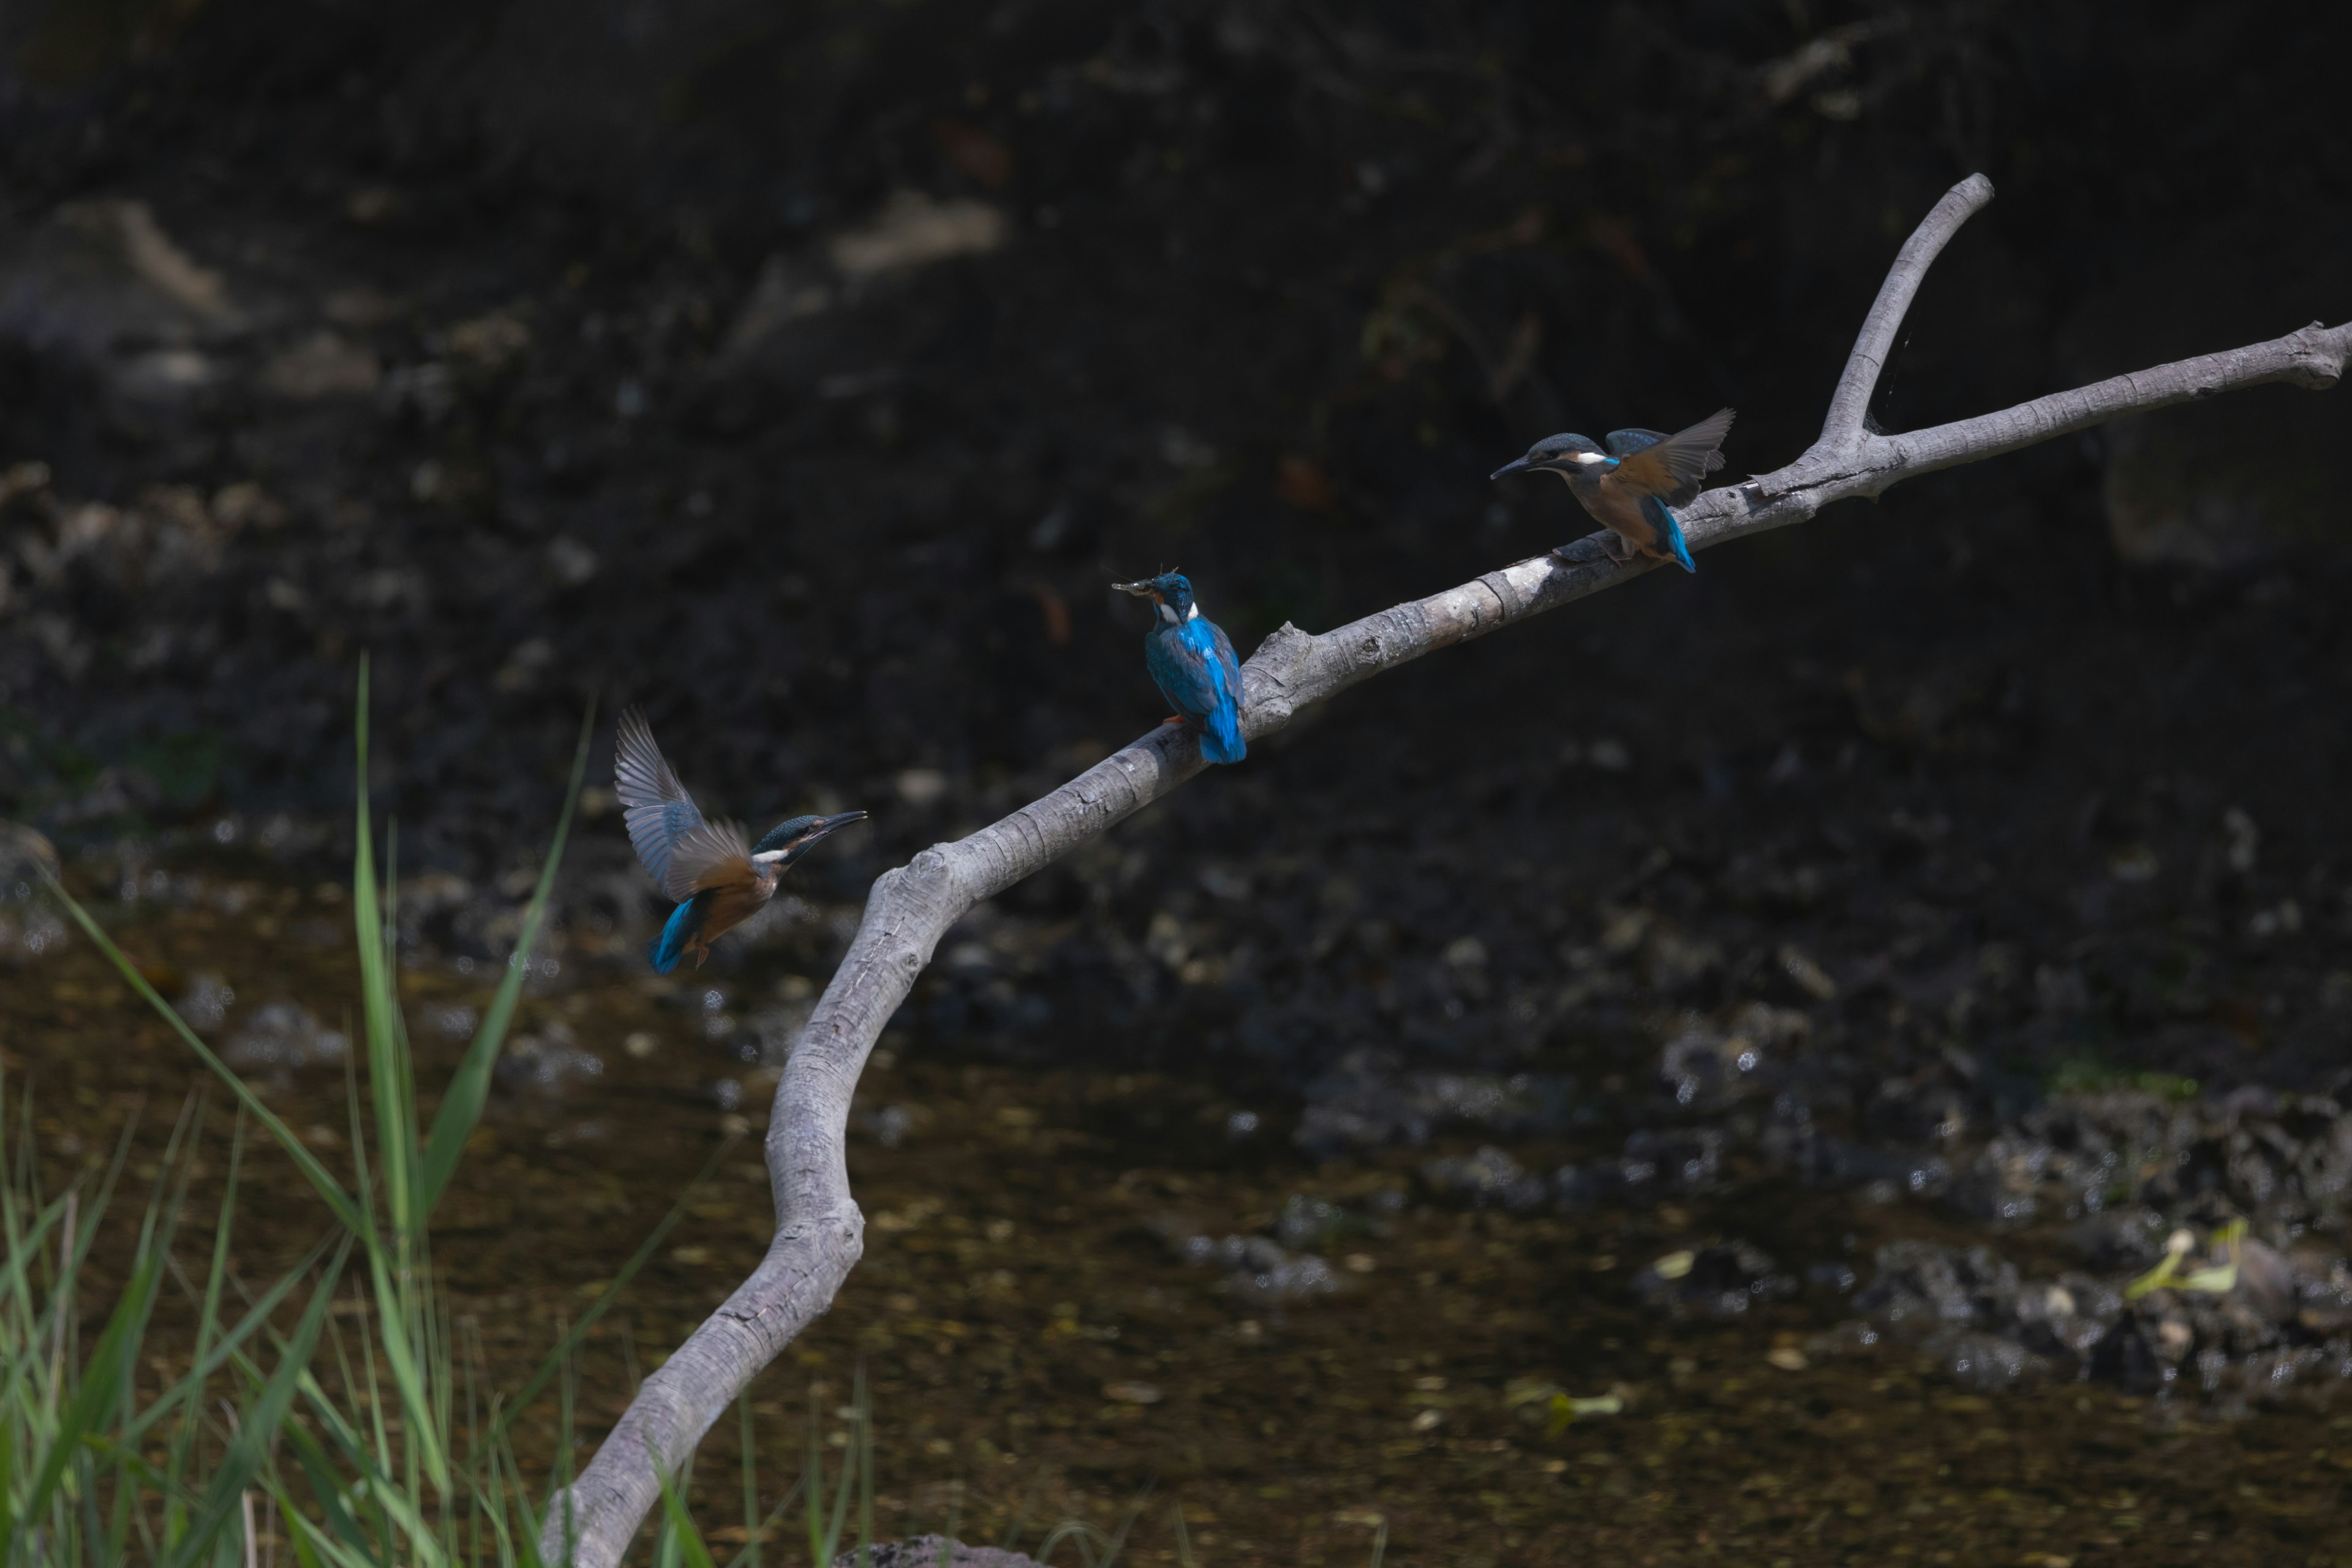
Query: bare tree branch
(820, 1233)
(1851, 401)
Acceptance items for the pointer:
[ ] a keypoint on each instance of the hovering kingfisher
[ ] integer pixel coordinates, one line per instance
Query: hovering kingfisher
(1191, 661)
(718, 880)
(1630, 488)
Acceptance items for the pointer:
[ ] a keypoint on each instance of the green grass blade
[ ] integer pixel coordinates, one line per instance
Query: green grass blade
(749, 1554)
(681, 1523)
(250, 1447)
(461, 1105)
(419, 1418)
(393, 1099)
(183, 1438)
(748, 1454)
(578, 1333)
(107, 1366)
(326, 1485)
(187, 1394)
(327, 1188)
(861, 1437)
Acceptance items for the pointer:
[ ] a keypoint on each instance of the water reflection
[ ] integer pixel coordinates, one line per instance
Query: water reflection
(1077, 1284)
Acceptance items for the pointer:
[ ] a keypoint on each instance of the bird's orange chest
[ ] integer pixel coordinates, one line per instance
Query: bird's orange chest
(1616, 509)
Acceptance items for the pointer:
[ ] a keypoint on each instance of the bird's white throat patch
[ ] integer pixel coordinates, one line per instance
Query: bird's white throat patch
(1167, 612)
(1588, 456)
(1192, 612)
(767, 858)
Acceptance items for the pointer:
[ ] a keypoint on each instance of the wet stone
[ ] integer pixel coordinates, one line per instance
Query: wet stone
(932, 1552)
(1316, 1225)
(1920, 1286)
(1722, 1280)
(1986, 1363)
(280, 1035)
(2120, 1239)
(204, 1004)
(1677, 1161)
(2066, 1317)
(1487, 1179)
(1365, 1102)
(547, 1060)
(1258, 1268)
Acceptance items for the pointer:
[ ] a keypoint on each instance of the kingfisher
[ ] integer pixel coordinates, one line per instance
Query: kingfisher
(718, 878)
(1630, 487)
(1191, 661)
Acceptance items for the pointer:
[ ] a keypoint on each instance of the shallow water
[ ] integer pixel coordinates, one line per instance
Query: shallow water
(1040, 1346)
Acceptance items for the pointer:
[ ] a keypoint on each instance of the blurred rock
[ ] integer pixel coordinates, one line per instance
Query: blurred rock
(546, 1061)
(1316, 1225)
(1365, 1102)
(1922, 1285)
(1487, 1179)
(205, 1003)
(2243, 479)
(1258, 1268)
(1722, 1280)
(280, 1035)
(98, 290)
(1988, 1364)
(932, 1552)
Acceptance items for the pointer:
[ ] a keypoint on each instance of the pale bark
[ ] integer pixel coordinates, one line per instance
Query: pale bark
(820, 1232)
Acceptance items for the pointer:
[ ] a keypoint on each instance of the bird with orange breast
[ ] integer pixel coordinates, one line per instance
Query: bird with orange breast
(717, 878)
(1632, 487)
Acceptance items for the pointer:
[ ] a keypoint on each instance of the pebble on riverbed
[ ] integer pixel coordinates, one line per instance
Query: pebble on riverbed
(1722, 1280)
(1365, 1102)
(931, 1552)
(280, 1036)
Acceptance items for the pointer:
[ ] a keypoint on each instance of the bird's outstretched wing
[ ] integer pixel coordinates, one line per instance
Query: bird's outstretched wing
(711, 855)
(1672, 467)
(666, 828)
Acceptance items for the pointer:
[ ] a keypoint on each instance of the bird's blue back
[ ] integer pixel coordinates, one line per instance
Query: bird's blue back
(1192, 664)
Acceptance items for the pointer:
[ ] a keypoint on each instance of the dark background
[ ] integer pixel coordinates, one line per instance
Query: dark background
(515, 344)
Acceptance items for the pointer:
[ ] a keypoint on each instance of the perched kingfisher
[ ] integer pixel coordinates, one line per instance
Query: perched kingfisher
(1191, 661)
(1630, 488)
(718, 880)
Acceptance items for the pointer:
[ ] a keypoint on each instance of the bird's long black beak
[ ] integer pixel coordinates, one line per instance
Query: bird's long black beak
(833, 824)
(1515, 466)
(1141, 590)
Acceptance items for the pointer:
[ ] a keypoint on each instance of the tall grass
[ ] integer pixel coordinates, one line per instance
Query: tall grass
(359, 1438)
(338, 1410)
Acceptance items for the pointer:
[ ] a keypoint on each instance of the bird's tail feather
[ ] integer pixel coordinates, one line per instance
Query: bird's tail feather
(1670, 531)
(678, 934)
(1221, 735)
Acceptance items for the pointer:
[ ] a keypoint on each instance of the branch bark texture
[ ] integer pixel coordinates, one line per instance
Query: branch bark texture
(820, 1233)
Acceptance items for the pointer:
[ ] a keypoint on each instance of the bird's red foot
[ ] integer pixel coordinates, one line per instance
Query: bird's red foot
(1173, 719)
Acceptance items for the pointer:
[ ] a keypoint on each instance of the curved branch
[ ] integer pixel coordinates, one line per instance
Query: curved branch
(1851, 401)
(820, 1233)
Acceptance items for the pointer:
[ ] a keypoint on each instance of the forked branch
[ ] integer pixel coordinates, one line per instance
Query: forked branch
(819, 1231)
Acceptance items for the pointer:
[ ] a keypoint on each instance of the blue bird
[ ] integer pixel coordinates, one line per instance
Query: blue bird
(1191, 661)
(1630, 488)
(718, 878)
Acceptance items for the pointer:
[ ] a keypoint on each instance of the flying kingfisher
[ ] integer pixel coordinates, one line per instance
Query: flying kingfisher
(1629, 487)
(1191, 661)
(718, 880)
